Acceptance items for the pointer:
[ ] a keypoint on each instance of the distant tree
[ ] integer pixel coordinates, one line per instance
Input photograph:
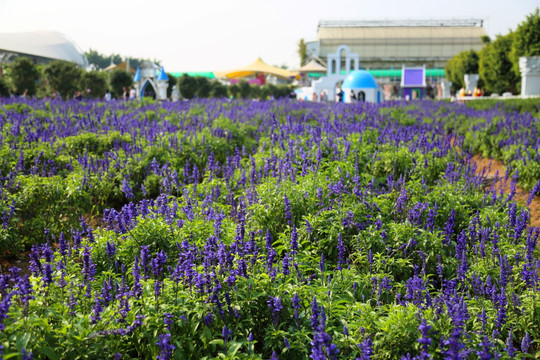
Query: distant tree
(102, 61)
(234, 90)
(527, 36)
(119, 79)
(187, 85)
(245, 89)
(302, 52)
(173, 80)
(203, 87)
(24, 75)
(4, 88)
(495, 66)
(485, 39)
(96, 81)
(63, 76)
(466, 62)
(218, 90)
(526, 39)
(282, 91)
(255, 91)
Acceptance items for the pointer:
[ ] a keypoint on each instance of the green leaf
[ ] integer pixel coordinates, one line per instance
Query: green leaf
(50, 353)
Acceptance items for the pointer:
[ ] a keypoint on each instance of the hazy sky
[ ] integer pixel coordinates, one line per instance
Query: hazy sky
(212, 35)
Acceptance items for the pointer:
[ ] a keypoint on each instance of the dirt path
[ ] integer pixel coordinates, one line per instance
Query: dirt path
(495, 172)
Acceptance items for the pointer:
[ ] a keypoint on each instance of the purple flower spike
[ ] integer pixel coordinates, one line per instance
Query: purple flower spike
(165, 347)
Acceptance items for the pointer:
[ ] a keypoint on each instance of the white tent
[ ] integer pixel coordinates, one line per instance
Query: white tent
(44, 44)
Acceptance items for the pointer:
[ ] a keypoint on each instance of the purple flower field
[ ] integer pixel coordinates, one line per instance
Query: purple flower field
(212, 229)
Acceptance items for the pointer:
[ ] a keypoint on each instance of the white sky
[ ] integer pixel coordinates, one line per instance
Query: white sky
(213, 35)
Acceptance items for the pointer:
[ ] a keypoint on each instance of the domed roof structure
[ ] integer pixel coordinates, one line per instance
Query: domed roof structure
(48, 45)
(359, 79)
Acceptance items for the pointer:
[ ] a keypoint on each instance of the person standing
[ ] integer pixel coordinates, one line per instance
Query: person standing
(107, 96)
(132, 94)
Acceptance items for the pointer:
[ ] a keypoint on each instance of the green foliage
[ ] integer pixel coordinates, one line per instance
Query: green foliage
(234, 90)
(527, 38)
(102, 61)
(173, 81)
(245, 89)
(302, 52)
(188, 86)
(511, 105)
(466, 62)
(496, 67)
(204, 87)
(96, 82)
(218, 90)
(4, 88)
(64, 77)
(24, 76)
(119, 79)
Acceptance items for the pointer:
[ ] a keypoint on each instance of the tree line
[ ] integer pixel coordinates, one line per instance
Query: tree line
(498, 61)
(201, 87)
(100, 61)
(23, 78)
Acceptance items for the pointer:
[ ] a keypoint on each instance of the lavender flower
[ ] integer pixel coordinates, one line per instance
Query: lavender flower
(126, 188)
(274, 303)
(525, 342)
(294, 240)
(165, 347)
(286, 343)
(341, 253)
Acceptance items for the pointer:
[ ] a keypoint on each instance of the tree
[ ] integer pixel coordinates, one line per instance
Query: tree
(24, 75)
(173, 80)
(526, 39)
(96, 82)
(64, 77)
(187, 85)
(527, 36)
(466, 62)
(302, 52)
(218, 90)
(4, 88)
(118, 80)
(102, 61)
(203, 87)
(255, 91)
(234, 90)
(245, 89)
(495, 66)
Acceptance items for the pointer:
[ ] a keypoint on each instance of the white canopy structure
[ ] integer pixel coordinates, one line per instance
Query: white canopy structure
(47, 45)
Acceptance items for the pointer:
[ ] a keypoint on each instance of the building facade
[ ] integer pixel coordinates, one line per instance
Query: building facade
(393, 44)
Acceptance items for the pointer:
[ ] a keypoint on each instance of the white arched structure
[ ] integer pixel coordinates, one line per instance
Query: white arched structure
(149, 74)
(333, 71)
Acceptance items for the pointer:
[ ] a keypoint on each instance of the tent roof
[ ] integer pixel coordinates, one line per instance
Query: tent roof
(258, 66)
(312, 66)
(121, 66)
(45, 44)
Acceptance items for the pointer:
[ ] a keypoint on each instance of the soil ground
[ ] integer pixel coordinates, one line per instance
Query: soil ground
(495, 172)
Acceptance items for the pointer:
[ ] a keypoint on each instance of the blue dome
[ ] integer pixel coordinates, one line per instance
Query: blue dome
(359, 79)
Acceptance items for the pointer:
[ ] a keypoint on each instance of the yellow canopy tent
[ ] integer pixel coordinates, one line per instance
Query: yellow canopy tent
(258, 66)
